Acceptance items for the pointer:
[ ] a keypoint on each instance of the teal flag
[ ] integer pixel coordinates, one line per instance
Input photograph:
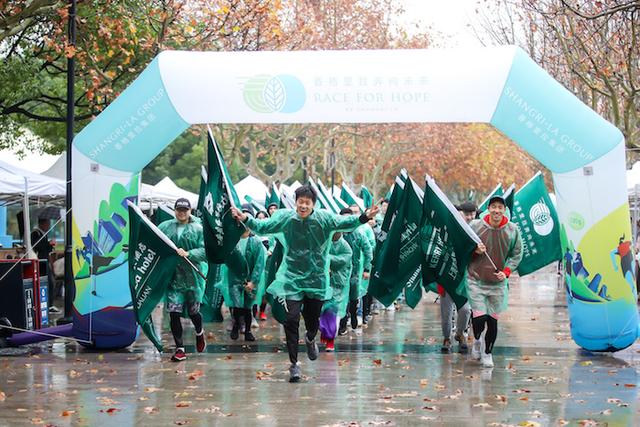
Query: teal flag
(536, 217)
(446, 242)
(321, 202)
(366, 196)
(162, 214)
(274, 195)
(202, 193)
(221, 231)
(350, 197)
(497, 191)
(509, 196)
(397, 262)
(329, 198)
(211, 307)
(341, 203)
(152, 262)
(257, 207)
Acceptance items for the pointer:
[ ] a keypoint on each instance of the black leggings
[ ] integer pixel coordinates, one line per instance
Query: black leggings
(238, 315)
(352, 313)
(492, 330)
(176, 326)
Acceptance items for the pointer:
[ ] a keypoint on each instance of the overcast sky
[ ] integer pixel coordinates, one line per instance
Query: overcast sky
(451, 18)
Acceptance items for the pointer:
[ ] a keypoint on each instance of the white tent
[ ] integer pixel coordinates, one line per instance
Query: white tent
(252, 187)
(165, 191)
(21, 186)
(14, 182)
(59, 168)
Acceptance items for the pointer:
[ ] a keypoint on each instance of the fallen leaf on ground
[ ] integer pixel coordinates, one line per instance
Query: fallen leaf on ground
(586, 363)
(150, 410)
(67, 413)
(110, 411)
(529, 424)
(183, 404)
(377, 362)
(482, 405)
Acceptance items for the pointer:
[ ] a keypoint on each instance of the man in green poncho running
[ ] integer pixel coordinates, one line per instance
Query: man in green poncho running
(186, 287)
(303, 276)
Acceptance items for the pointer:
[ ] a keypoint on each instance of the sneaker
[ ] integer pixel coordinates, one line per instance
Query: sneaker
(487, 360)
(368, 318)
(294, 373)
(392, 307)
(235, 332)
(358, 332)
(54, 309)
(330, 348)
(263, 315)
(248, 336)
(476, 350)
(342, 331)
(446, 346)
(463, 348)
(179, 355)
(254, 322)
(201, 343)
(312, 348)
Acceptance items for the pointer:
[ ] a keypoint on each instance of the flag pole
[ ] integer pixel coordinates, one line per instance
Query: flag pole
(197, 270)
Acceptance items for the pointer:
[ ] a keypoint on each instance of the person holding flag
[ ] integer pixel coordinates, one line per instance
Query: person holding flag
(186, 288)
(447, 305)
(494, 259)
(243, 289)
(303, 277)
(362, 255)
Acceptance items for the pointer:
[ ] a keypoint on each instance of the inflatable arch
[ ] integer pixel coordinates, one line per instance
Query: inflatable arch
(501, 86)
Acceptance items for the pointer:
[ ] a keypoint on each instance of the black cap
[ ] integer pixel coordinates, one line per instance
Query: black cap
(497, 198)
(272, 204)
(182, 203)
(467, 207)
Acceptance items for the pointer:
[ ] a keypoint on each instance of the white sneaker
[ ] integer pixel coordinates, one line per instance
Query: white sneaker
(358, 331)
(487, 360)
(476, 350)
(392, 307)
(254, 323)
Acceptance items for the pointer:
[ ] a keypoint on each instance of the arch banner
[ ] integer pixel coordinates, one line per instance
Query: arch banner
(501, 86)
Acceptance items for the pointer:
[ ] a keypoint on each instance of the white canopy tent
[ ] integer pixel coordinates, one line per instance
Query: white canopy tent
(252, 187)
(21, 186)
(164, 192)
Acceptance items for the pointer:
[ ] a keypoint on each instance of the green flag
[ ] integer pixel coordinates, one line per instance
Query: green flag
(497, 191)
(152, 262)
(211, 307)
(536, 217)
(341, 203)
(333, 206)
(255, 204)
(221, 231)
(367, 197)
(509, 195)
(162, 214)
(321, 202)
(446, 241)
(350, 197)
(202, 193)
(397, 262)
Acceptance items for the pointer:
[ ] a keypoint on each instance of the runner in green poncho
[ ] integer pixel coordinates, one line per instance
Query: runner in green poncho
(367, 299)
(186, 287)
(242, 290)
(361, 266)
(303, 276)
(336, 308)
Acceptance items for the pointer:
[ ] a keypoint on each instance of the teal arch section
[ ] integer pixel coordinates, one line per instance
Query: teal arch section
(146, 123)
(548, 121)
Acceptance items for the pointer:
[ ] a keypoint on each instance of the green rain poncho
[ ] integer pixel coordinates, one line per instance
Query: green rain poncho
(186, 285)
(504, 246)
(339, 274)
(370, 234)
(304, 271)
(361, 260)
(232, 284)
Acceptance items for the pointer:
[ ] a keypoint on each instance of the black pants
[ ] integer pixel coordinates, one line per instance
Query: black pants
(311, 309)
(367, 301)
(240, 314)
(176, 325)
(352, 313)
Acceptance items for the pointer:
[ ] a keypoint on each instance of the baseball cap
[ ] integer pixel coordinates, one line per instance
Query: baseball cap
(497, 198)
(182, 203)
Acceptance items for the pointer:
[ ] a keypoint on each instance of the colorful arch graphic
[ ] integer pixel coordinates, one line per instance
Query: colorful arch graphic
(500, 86)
